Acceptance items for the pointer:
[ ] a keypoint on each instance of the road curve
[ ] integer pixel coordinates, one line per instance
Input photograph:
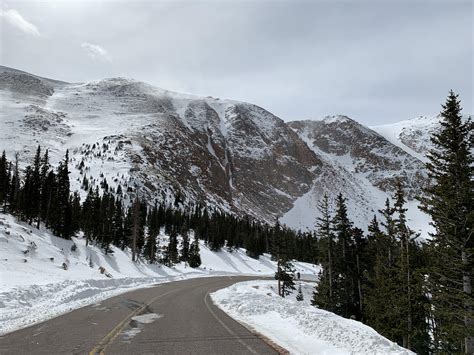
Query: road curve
(171, 318)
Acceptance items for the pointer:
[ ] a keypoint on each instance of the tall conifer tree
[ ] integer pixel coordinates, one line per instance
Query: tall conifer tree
(449, 199)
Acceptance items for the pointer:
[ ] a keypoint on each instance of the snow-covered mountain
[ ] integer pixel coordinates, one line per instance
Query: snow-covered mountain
(233, 155)
(227, 154)
(359, 163)
(412, 135)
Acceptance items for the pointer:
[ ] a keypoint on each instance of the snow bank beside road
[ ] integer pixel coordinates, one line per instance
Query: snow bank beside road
(298, 326)
(35, 287)
(23, 306)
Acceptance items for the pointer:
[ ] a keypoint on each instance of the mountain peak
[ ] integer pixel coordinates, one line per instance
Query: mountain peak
(337, 119)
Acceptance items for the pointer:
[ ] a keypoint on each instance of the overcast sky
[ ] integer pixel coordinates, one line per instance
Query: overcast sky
(376, 61)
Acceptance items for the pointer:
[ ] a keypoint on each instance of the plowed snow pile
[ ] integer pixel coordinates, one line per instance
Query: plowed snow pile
(298, 326)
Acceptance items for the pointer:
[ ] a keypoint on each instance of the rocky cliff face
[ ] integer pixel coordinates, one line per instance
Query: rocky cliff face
(360, 164)
(363, 152)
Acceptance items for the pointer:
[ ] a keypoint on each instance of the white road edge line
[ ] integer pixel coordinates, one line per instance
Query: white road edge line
(225, 326)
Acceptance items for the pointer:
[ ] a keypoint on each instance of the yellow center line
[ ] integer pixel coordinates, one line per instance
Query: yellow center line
(110, 337)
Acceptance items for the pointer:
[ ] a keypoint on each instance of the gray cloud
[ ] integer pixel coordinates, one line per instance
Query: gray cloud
(376, 61)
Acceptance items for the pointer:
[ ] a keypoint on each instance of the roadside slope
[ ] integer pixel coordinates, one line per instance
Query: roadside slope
(36, 287)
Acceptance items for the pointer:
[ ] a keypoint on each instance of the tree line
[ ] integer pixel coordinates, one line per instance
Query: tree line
(416, 293)
(40, 194)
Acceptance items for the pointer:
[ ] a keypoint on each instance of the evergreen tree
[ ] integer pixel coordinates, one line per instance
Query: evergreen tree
(449, 200)
(4, 181)
(88, 216)
(284, 275)
(14, 190)
(171, 253)
(119, 224)
(150, 247)
(344, 261)
(299, 296)
(35, 188)
(285, 269)
(76, 211)
(395, 277)
(411, 301)
(47, 182)
(389, 224)
(405, 237)
(359, 273)
(384, 279)
(194, 254)
(24, 208)
(323, 295)
(184, 252)
(136, 228)
(62, 219)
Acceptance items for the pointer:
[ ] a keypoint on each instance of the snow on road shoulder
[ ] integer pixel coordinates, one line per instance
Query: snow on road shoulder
(34, 285)
(24, 306)
(298, 326)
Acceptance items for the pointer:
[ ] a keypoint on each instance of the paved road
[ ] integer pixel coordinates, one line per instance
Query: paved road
(172, 318)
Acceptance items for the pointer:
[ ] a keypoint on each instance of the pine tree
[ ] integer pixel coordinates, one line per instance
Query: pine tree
(389, 225)
(359, 273)
(412, 300)
(24, 209)
(405, 237)
(136, 228)
(299, 296)
(171, 253)
(385, 284)
(47, 180)
(14, 190)
(4, 181)
(150, 247)
(449, 200)
(76, 212)
(285, 269)
(395, 276)
(284, 275)
(344, 261)
(62, 225)
(184, 252)
(118, 222)
(194, 254)
(35, 189)
(7, 186)
(323, 295)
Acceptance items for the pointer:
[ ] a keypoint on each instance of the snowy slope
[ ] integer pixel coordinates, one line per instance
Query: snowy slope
(298, 326)
(230, 155)
(360, 164)
(156, 143)
(35, 286)
(412, 135)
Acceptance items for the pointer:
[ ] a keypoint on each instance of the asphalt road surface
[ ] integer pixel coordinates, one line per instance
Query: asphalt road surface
(171, 318)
